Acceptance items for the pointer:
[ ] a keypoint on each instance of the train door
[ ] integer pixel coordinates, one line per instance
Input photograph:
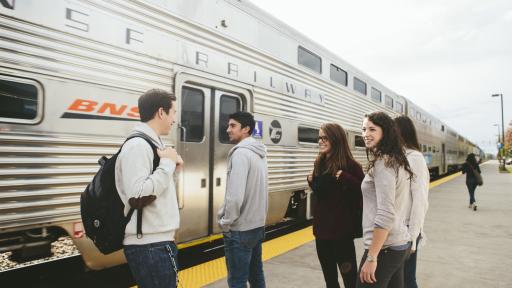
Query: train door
(443, 159)
(204, 146)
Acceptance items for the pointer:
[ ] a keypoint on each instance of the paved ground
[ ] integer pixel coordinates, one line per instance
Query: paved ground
(464, 248)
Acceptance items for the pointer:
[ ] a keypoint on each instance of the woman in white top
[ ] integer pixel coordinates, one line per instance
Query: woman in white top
(419, 194)
(386, 193)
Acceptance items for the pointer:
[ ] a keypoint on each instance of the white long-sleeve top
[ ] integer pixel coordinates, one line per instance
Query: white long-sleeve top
(418, 202)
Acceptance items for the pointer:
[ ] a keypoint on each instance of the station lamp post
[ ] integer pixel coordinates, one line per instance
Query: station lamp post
(502, 166)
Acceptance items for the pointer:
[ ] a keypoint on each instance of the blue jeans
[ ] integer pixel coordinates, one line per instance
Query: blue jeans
(243, 257)
(410, 267)
(153, 265)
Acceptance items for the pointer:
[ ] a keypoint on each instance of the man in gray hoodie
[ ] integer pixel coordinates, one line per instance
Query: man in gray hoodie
(242, 217)
(151, 255)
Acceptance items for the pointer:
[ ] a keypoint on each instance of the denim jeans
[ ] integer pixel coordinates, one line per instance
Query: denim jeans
(471, 188)
(410, 267)
(243, 257)
(153, 265)
(390, 269)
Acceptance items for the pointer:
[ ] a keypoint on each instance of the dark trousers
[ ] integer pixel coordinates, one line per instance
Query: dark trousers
(410, 267)
(153, 265)
(390, 269)
(337, 254)
(243, 258)
(471, 188)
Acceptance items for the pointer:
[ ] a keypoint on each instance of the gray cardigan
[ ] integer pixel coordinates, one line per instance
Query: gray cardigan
(385, 198)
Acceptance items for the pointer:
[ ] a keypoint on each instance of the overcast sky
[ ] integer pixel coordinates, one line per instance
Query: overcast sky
(446, 56)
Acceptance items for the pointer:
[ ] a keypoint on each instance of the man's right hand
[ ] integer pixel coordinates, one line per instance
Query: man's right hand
(169, 153)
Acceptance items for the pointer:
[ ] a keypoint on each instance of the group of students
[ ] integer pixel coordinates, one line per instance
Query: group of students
(386, 206)
(144, 178)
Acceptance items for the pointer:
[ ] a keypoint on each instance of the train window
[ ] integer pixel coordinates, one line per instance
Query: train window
(399, 107)
(359, 86)
(442, 128)
(418, 116)
(228, 105)
(376, 95)
(338, 75)
(308, 135)
(20, 100)
(429, 148)
(310, 60)
(359, 141)
(424, 148)
(388, 101)
(192, 115)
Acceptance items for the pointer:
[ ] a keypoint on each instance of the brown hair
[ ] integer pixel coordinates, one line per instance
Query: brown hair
(339, 156)
(152, 100)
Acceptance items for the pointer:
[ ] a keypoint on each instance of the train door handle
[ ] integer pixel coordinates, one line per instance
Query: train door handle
(203, 183)
(217, 181)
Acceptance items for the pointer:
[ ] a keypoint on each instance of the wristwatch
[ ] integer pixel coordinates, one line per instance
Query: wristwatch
(370, 258)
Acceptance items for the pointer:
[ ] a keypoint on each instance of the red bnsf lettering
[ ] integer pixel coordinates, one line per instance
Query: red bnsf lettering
(112, 108)
(83, 105)
(134, 113)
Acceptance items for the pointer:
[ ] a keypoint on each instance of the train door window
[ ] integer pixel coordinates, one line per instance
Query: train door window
(308, 135)
(376, 95)
(228, 105)
(308, 59)
(20, 100)
(359, 86)
(399, 107)
(338, 75)
(388, 101)
(359, 141)
(192, 115)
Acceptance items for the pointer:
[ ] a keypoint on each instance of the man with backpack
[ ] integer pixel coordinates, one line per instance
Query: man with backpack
(144, 182)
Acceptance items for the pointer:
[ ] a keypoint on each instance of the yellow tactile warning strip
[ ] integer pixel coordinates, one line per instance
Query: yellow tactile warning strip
(211, 271)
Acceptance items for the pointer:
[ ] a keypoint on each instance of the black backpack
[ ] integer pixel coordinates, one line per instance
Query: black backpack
(102, 209)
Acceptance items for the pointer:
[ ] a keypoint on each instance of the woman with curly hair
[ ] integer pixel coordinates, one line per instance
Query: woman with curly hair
(385, 191)
(337, 206)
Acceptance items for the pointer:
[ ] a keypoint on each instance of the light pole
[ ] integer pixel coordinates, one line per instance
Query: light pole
(502, 130)
(499, 135)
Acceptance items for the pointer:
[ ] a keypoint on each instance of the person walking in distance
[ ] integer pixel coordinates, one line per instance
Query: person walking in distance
(337, 206)
(472, 171)
(419, 194)
(149, 248)
(243, 213)
(385, 191)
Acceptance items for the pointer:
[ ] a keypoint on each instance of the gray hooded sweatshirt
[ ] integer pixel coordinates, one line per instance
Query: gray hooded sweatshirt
(246, 200)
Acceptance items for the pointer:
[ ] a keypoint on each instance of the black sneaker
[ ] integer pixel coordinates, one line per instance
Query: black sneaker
(474, 207)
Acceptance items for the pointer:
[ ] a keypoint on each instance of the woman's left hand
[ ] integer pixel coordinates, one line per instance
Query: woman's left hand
(338, 174)
(367, 274)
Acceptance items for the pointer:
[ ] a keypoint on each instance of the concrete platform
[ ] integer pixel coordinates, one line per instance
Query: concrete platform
(464, 248)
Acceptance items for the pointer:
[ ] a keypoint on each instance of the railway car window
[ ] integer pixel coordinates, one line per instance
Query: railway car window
(388, 101)
(228, 105)
(442, 128)
(338, 75)
(192, 115)
(376, 95)
(359, 86)
(308, 135)
(359, 141)
(310, 60)
(399, 107)
(18, 100)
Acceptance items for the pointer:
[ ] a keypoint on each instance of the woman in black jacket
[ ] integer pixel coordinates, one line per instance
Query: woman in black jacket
(337, 206)
(471, 168)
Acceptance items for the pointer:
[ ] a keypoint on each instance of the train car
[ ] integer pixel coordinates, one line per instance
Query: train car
(70, 75)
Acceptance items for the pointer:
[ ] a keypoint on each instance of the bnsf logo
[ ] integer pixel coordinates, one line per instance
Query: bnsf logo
(90, 109)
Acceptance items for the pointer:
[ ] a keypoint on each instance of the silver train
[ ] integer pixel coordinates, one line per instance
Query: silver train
(70, 75)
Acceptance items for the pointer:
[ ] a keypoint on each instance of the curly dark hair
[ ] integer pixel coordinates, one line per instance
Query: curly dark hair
(390, 147)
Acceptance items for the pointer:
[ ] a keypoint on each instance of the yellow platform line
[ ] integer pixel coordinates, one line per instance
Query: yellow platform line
(444, 179)
(209, 272)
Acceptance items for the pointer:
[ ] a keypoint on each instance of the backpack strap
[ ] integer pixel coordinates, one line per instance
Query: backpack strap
(139, 207)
